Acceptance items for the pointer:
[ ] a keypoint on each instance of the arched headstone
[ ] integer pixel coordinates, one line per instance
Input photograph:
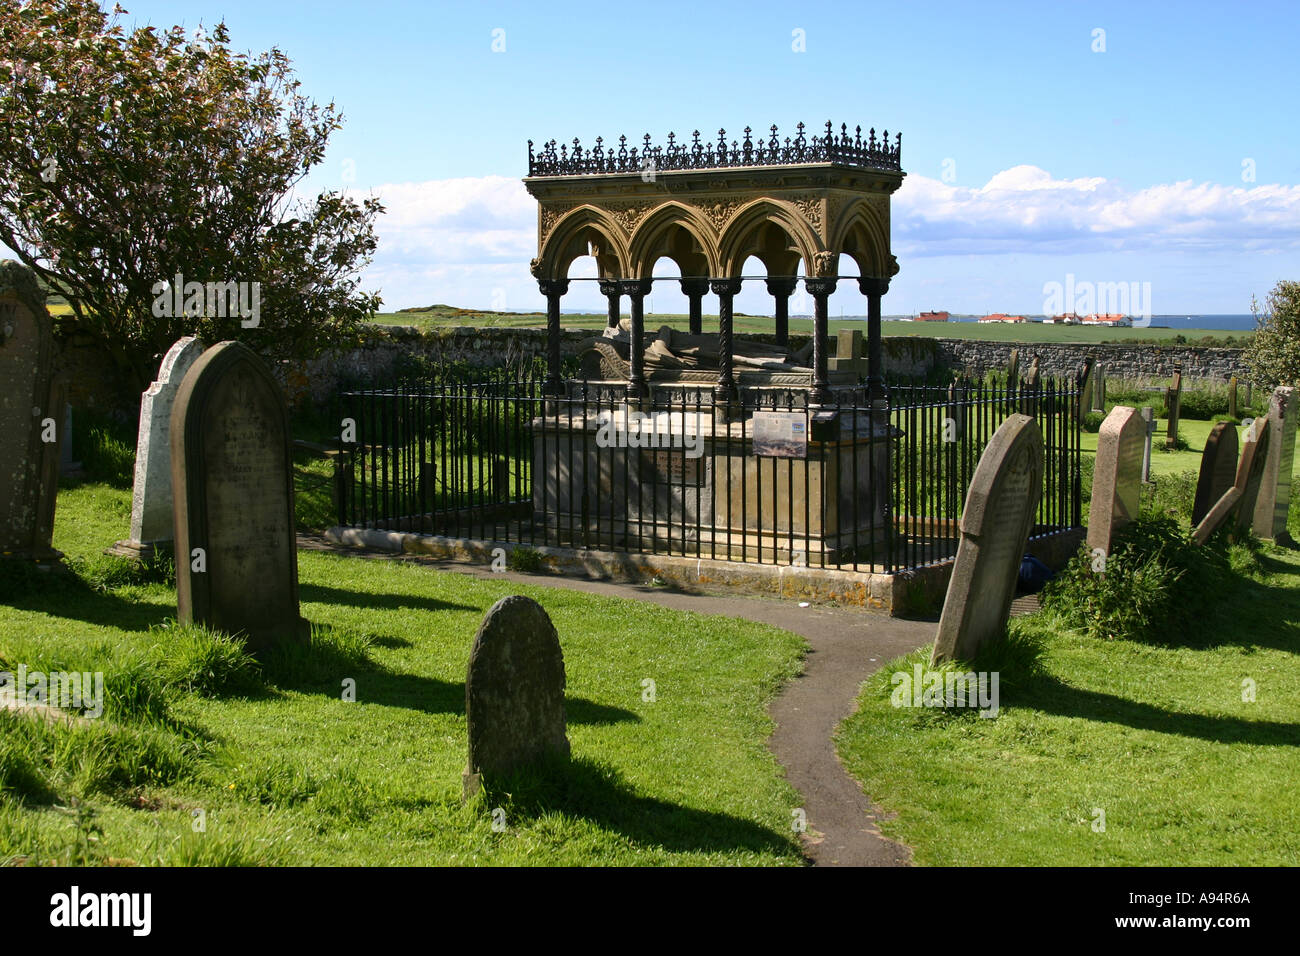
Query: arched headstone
(31, 418)
(514, 691)
(151, 496)
(232, 485)
(1117, 478)
(995, 524)
(1218, 469)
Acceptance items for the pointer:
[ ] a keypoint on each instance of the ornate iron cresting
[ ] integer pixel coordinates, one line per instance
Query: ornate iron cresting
(854, 150)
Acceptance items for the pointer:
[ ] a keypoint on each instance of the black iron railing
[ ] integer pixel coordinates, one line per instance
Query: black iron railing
(561, 159)
(498, 461)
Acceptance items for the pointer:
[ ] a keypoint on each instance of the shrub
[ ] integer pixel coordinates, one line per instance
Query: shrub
(1154, 583)
(1092, 421)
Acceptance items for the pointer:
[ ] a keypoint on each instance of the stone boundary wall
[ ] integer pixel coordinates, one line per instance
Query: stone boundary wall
(94, 384)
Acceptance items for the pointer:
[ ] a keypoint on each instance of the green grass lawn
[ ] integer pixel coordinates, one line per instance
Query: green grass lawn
(286, 771)
(758, 324)
(1157, 737)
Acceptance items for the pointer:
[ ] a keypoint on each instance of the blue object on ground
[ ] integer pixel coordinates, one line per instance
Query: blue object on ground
(1033, 575)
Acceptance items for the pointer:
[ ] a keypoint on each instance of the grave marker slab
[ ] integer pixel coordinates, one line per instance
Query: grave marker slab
(1173, 404)
(232, 484)
(151, 496)
(1149, 423)
(1239, 500)
(1218, 469)
(1275, 490)
(514, 692)
(995, 524)
(31, 410)
(1117, 477)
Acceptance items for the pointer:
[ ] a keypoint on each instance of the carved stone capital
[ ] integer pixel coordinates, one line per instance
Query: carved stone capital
(819, 285)
(535, 267)
(724, 286)
(635, 288)
(872, 285)
(782, 286)
(695, 286)
(609, 287)
(824, 263)
(550, 287)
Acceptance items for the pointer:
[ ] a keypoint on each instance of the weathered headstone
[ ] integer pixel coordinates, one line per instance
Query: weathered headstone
(1087, 382)
(849, 356)
(151, 498)
(1013, 369)
(1232, 397)
(31, 418)
(1275, 489)
(1033, 376)
(1173, 404)
(1149, 424)
(1239, 500)
(1218, 469)
(232, 486)
(514, 692)
(66, 465)
(1099, 392)
(995, 524)
(1117, 476)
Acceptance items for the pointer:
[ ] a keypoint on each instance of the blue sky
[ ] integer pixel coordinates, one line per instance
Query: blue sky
(1131, 164)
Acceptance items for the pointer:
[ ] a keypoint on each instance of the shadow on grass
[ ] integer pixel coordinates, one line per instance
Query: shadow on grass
(322, 666)
(584, 788)
(63, 594)
(1050, 695)
(386, 601)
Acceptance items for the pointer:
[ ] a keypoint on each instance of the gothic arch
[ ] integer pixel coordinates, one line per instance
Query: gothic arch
(679, 233)
(860, 234)
(586, 230)
(775, 232)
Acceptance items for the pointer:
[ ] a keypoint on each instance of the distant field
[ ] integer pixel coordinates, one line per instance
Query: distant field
(754, 324)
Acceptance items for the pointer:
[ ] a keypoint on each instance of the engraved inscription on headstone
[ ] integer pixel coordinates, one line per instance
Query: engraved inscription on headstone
(232, 483)
(995, 525)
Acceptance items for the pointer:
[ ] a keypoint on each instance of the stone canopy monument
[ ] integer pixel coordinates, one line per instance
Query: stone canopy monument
(31, 418)
(232, 484)
(802, 205)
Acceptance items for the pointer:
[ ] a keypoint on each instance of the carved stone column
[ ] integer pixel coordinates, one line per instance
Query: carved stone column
(553, 289)
(820, 288)
(609, 289)
(725, 393)
(874, 289)
(636, 290)
(781, 288)
(695, 289)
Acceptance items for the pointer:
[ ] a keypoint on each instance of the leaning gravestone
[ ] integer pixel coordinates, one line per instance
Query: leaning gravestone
(1174, 406)
(1239, 500)
(1087, 386)
(1149, 423)
(151, 499)
(995, 524)
(1218, 469)
(1117, 476)
(232, 485)
(1275, 490)
(31, 415)
(514, 692)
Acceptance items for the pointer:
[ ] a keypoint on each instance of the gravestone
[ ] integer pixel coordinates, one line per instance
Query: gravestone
(1232, 397)
(514, 692)
(995, 524)
(1099, 391)
(1149, 424)
(1013, 369)
(1218, 469)
(66, 465)
(232, 486)
(1173, 404)
(31, 418)
(1117, 476)
(849, 356)
(151, 497)
(1275, 489)
(1033, 377)
(1239, 501)
(1087, 382)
